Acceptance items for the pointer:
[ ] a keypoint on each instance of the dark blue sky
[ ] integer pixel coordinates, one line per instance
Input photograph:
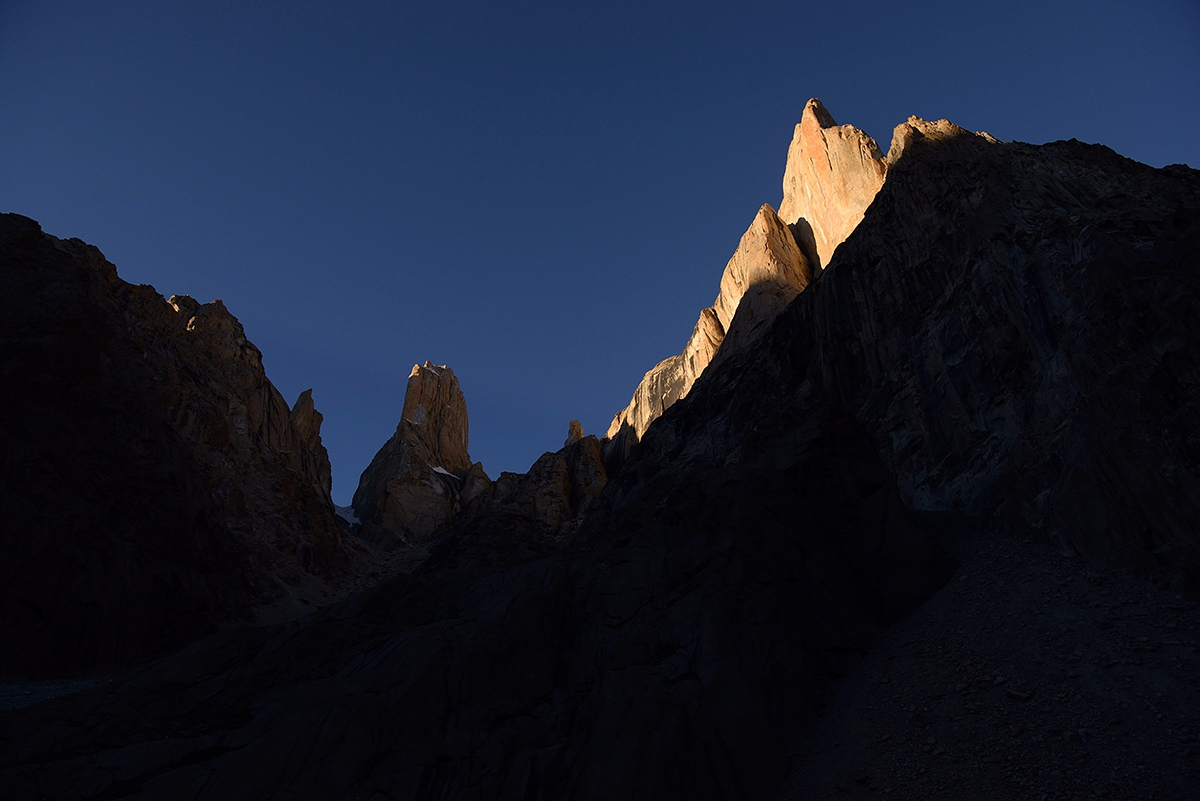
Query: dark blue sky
(542, 197)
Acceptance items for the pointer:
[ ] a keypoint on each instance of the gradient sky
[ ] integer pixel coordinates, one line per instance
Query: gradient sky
(541, 195)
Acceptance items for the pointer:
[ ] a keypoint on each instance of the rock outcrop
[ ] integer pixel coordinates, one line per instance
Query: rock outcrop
(555, 493)
(524, 513)
(764, 274)
(153, 481)
(915, 129)
(574, 432)
(833, 173)
(414, 484)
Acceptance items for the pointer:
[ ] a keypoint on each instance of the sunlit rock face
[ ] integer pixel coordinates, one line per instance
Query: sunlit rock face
(765, 272)
(154, 482)
(833, 173)
(670, 379)
(915, 130)
(414, 484)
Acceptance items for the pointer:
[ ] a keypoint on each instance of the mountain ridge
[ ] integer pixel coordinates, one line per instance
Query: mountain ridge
(1004, 345)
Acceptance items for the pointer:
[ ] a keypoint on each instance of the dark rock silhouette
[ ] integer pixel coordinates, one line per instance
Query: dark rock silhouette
(153, 481)
(1017, 328)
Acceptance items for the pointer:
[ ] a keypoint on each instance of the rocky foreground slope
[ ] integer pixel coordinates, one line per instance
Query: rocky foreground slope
(1007, 339)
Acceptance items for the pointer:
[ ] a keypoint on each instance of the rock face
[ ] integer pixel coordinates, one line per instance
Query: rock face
(153, 481)
(671, 648)
(765, 273)
(413, 485)
(307, 420)
(833, 173)
(1040, 366)
(524, 513)
(670, 379)
(554, 494)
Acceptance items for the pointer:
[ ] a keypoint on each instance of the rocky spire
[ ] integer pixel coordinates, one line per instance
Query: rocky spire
(574, 433)
(307, 421)
(765, 272)
(412, 486)
(833, 173)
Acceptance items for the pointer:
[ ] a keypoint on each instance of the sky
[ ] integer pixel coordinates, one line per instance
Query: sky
(541, 195)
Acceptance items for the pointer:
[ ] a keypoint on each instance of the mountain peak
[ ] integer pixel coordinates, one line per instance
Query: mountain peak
(412, 485)
(815, 113)
(833, 173)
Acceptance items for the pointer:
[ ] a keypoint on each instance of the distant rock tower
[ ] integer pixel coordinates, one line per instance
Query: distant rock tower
(414, 484)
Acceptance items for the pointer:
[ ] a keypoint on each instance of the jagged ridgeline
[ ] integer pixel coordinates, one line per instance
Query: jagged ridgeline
(995, 329)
